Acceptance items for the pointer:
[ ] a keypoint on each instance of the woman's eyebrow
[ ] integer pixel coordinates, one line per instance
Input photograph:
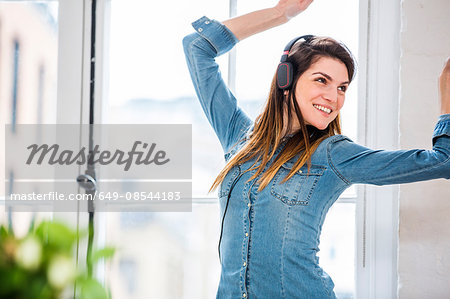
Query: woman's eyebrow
(329, 77)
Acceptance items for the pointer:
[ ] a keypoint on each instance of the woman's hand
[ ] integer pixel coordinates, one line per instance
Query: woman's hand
(291, 8)
(444, 88)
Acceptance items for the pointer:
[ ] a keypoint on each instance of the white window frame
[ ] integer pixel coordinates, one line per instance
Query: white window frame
(376, 208)
(74, 35)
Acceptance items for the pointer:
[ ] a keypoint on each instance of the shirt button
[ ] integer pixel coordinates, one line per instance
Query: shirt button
(245, 264)
(246, 234)
(249, 205)
(200, 29)
(300, 171)
(207, 22)
(244, 295)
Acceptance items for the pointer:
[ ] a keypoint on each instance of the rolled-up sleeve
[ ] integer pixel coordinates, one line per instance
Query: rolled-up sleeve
(216, 34)
(354, 163)
(210, 40)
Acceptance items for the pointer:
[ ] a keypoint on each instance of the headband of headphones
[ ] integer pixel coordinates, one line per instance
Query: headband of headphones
(285, 69)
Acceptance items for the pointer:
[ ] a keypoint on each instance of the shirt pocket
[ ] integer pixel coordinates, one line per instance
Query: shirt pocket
(299, 188)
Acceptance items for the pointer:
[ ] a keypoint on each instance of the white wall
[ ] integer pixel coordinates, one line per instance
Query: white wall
(424, 228)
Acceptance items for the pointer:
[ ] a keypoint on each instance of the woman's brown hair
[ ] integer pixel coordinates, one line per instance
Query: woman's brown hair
(268, 128)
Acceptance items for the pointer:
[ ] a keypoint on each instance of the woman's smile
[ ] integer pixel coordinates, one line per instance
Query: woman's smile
(323, 108)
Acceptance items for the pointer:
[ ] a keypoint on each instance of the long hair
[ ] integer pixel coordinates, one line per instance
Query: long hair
(268, 128)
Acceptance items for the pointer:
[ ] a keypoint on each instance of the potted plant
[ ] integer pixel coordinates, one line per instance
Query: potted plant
(42, 264)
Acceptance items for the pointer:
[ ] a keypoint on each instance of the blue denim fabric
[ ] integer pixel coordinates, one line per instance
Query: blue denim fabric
(271, 238)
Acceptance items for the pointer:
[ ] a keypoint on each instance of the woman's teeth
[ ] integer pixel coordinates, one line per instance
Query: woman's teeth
(322, 108)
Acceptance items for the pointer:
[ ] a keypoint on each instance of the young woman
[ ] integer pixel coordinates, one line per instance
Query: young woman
(287, 168)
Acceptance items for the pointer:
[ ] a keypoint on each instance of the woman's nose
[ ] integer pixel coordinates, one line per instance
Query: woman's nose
(331, 94)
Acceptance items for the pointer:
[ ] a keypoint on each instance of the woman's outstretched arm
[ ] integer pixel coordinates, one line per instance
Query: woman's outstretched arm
(354, 163)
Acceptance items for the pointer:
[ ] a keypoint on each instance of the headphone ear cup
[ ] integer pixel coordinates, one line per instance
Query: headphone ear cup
(284, 75)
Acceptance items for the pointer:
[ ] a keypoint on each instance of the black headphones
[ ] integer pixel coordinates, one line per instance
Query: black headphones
(285, 70)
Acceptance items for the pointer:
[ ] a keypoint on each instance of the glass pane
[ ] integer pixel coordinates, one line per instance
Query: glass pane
(28, 69)
(165, 255)
(162, 255)
(149, 78)
(337, 248)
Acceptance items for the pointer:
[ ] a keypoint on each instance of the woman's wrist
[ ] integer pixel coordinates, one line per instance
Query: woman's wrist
(280, 15)
(255, 22)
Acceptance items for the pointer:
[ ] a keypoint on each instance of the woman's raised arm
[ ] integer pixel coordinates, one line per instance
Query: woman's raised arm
(212, 39)
(261, 20)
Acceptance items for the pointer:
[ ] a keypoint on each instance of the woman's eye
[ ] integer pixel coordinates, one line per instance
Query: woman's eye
(342, 88)
(321, 80)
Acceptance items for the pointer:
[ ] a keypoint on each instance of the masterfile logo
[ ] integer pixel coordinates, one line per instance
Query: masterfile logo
(119, 167)
(68, 157)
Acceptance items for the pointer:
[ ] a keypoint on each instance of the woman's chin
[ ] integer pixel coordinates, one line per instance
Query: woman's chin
(321, 126)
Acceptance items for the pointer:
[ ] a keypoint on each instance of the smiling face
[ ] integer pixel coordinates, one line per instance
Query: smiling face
(320, 92)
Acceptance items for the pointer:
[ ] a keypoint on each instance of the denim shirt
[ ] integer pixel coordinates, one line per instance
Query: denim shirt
(271, 238)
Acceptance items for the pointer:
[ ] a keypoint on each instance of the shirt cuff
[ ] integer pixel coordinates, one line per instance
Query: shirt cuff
(444, 117)
(442, 127)
(217, 34)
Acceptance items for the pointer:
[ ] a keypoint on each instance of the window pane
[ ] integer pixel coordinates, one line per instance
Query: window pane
(337, 248)
(149, 78)
(165, 255)
(28, 68)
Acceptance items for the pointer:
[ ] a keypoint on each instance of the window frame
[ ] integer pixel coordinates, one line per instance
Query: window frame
(378, 122)
(74, 31)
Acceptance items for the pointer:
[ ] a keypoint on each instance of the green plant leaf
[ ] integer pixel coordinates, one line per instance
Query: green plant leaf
(3, 233)
(91, 289)
(57, 235)
(105, 253)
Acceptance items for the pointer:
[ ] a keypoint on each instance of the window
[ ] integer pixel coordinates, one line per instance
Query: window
(149, 83)
(28, 40)
(139, 92)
